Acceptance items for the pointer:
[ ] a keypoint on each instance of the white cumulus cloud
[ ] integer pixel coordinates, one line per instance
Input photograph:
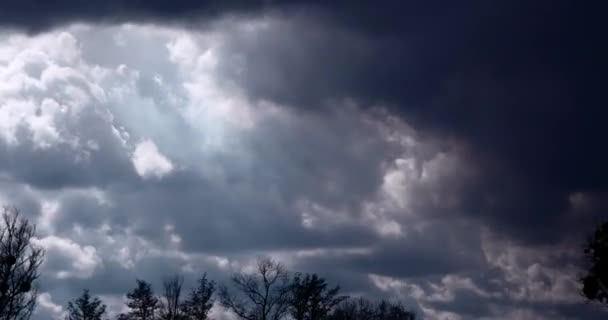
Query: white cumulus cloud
(149, 162)
(84, 260)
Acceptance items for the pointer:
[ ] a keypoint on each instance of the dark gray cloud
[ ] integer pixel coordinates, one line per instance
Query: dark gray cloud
(518, 81)
(418, 255)
(523, 94)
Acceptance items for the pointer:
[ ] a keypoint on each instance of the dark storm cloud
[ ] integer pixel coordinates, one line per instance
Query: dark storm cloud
(518, 81)
(39, 15)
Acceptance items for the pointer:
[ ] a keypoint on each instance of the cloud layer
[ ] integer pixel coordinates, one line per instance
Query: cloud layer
(429, 164)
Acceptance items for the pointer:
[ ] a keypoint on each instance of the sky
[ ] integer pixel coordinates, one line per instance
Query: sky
(451, 155)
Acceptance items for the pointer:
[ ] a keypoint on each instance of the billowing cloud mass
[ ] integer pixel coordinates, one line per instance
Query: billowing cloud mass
(450, 156)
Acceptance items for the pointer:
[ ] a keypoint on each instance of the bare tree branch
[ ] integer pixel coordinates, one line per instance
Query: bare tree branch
(19, 263)
(259, 296)
(171, 307)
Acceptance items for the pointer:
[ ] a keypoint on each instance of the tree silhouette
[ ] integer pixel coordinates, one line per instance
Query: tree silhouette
(363, 309)
(263, 295)
(311, 299)
(200, 301)
(86, 307)
(393, 311)
(595, 281)
(171, 306)
(359, 309)
(142, 302)
(20, 259)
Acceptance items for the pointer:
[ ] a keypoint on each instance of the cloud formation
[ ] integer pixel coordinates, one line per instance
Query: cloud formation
(149, 162)
(451, 159)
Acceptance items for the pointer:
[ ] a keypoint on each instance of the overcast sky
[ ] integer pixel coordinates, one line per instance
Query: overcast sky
(448, 154)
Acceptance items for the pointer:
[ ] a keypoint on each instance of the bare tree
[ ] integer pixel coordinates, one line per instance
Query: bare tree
(363, 309)
(200, 300)
(359, 309)
(20, 259)
(263, 295)
(386, 310)
(171, 306)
